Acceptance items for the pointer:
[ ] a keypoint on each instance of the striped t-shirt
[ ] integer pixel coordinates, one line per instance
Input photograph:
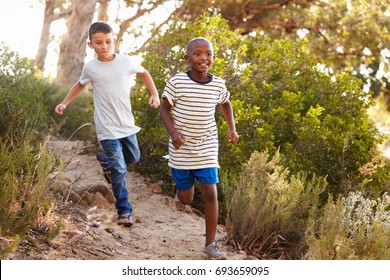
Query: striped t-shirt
(193, 113)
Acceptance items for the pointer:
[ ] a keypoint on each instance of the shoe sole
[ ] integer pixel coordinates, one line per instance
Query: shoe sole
(127, 222)
(205, 256)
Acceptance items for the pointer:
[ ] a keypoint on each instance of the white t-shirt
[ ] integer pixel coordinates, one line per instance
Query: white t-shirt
(193, 109)
(111, 92)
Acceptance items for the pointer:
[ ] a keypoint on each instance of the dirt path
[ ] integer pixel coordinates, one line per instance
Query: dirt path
(90, 231)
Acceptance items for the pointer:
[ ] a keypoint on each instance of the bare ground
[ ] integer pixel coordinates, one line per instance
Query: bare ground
(90, 231)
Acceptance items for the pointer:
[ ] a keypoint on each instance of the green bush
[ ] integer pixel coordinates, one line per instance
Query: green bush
(267, 209)
(25, 161)
(21, 94)
(318, 122)
(77, 121)
(351, 228)
(25, 200)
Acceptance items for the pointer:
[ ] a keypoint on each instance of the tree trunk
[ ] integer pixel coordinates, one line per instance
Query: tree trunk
(45, 36)
(73, 46)
(103, 10)
(48, 18)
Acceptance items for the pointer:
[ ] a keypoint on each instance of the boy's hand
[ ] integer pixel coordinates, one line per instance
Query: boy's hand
(59, 109)
(154, 101)
(233, 137)
(178, 140)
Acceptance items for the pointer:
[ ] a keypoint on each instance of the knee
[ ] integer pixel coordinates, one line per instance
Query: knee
(118, 168)
(133, 159)
(209, 194)
(186, 200)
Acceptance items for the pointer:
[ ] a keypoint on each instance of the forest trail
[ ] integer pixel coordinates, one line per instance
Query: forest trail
(90, 232)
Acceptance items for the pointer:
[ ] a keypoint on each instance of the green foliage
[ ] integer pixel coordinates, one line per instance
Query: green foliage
(318, 122)
(77, 120)
(21, 94)
(351, 228)
(349, 36)
(25, 161)
(28, 100)
(267, 208)
(25, 201)
(152, 141)
(281, 102)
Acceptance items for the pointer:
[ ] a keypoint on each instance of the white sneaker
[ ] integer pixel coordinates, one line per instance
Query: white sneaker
(179, 206)
(213, 252)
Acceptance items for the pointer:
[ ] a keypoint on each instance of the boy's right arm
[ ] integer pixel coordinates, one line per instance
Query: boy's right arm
(177, 139)
(72, 94)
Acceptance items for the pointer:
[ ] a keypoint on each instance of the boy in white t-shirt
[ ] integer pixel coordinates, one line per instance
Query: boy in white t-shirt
(109, 74)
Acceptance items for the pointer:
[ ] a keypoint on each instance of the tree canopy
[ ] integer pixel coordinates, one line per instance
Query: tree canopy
(344, 35)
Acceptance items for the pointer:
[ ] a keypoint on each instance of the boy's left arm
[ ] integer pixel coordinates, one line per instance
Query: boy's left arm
(154, 100)
(227, 112)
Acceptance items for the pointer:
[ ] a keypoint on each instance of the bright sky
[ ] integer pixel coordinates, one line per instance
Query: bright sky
(21, 23)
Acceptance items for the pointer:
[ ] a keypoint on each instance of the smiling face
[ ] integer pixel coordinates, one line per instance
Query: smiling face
(103, 45)
(199, 56)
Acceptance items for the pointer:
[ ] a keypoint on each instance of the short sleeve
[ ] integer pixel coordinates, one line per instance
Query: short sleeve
(135, 64)
(84, 78)
(224, 94)
(170, 92)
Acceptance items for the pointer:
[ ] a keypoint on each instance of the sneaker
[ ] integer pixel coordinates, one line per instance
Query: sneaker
(125, 220)
(179, 206)
(213, 252)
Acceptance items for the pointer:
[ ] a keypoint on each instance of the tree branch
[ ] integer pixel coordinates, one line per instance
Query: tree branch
(127, 22)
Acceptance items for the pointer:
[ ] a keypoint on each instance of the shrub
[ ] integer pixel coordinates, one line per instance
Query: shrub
(267, 209)
(318, 123)
(77, 120)
(21, 94)
(351, 228)
(25, 162)
(25, 200)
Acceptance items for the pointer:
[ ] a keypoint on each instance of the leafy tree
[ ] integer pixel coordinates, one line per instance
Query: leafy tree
(343, 35)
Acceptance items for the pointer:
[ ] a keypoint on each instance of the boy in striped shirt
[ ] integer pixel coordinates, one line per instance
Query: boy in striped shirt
(188, 113)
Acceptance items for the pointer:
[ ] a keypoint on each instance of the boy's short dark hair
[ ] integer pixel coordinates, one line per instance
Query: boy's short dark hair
(99, 27)
(192, 41)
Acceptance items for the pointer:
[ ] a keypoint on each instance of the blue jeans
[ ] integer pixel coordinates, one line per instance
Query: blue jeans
(117, 154)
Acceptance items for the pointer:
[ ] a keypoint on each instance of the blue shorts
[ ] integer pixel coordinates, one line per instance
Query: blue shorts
(185, 179)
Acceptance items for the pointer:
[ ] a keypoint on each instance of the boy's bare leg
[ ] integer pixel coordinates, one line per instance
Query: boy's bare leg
(210, 199)
(186, 196)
